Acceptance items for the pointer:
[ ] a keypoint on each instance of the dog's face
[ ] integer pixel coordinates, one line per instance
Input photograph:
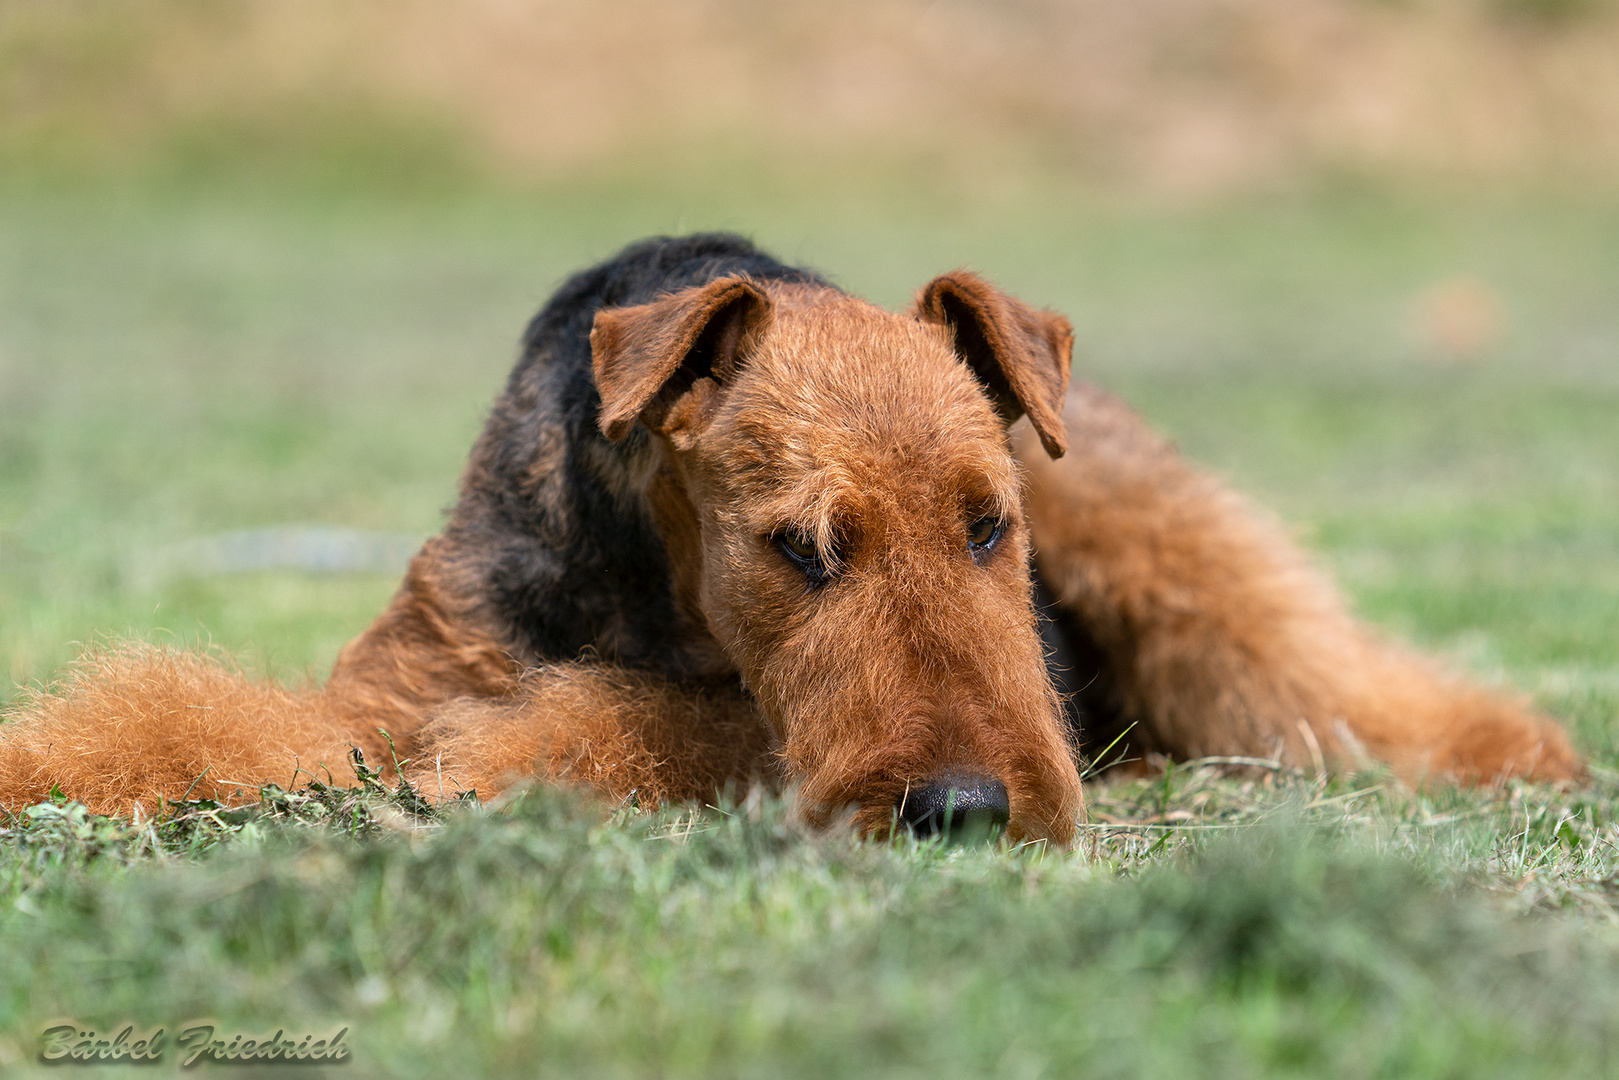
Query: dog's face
(843, 512)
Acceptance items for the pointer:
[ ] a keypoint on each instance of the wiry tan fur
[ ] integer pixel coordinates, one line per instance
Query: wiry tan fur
(1221, 637)
(139, 724)
(625, 733)
(772, 407)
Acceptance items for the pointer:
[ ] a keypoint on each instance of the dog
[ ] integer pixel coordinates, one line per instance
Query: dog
(728, 524)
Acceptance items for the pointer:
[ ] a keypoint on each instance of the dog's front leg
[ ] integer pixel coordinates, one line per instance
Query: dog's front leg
(628, 734)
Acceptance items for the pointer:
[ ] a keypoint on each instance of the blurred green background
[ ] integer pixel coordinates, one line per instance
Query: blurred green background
(263, 264)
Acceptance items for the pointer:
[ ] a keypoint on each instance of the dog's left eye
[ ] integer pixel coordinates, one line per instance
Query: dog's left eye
(983, 533)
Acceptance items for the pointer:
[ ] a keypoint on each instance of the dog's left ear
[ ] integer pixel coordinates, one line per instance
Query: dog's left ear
(1020, 354)
(663, 363)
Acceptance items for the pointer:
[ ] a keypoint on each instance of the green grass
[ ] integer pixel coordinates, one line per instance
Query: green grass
(1297, 930)
(184, 364)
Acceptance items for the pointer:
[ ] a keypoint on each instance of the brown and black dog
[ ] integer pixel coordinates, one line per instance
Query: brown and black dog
(728, 523)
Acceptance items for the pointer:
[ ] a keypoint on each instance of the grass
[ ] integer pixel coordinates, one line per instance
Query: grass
(1327, 933)
(179, 365)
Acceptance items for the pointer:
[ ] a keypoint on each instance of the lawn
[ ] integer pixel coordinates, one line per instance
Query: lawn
(179, 366)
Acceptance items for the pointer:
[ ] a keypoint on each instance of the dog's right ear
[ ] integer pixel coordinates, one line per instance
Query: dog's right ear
(664, 363)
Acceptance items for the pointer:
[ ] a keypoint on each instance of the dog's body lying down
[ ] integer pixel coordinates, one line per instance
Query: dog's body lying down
(727, 523)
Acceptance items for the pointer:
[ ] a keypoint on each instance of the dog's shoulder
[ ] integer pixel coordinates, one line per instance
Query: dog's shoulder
(551, 539)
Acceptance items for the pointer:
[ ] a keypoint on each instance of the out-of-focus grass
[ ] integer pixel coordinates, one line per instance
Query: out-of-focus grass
(1283, 928)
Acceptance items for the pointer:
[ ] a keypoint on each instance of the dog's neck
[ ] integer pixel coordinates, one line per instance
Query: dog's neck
(560, 553)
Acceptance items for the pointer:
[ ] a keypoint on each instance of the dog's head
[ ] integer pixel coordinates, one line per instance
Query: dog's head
(843, 512)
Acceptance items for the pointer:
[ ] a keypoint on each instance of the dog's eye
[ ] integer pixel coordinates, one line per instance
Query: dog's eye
(801, 551)
(984, 532)
(800, 546)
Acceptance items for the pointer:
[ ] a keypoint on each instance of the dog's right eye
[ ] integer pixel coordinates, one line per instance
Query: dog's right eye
(799, 546)
(801, 551)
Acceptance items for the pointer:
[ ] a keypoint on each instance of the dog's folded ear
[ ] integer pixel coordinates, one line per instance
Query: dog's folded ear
(663, 363)
(1020, 354)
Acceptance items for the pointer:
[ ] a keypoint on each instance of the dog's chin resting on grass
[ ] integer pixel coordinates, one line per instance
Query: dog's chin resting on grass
(727, 524)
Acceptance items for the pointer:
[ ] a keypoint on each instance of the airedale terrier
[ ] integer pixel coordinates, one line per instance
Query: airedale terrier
(728, 524)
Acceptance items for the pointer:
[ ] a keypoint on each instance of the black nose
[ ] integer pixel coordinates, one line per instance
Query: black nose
(955, 803)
